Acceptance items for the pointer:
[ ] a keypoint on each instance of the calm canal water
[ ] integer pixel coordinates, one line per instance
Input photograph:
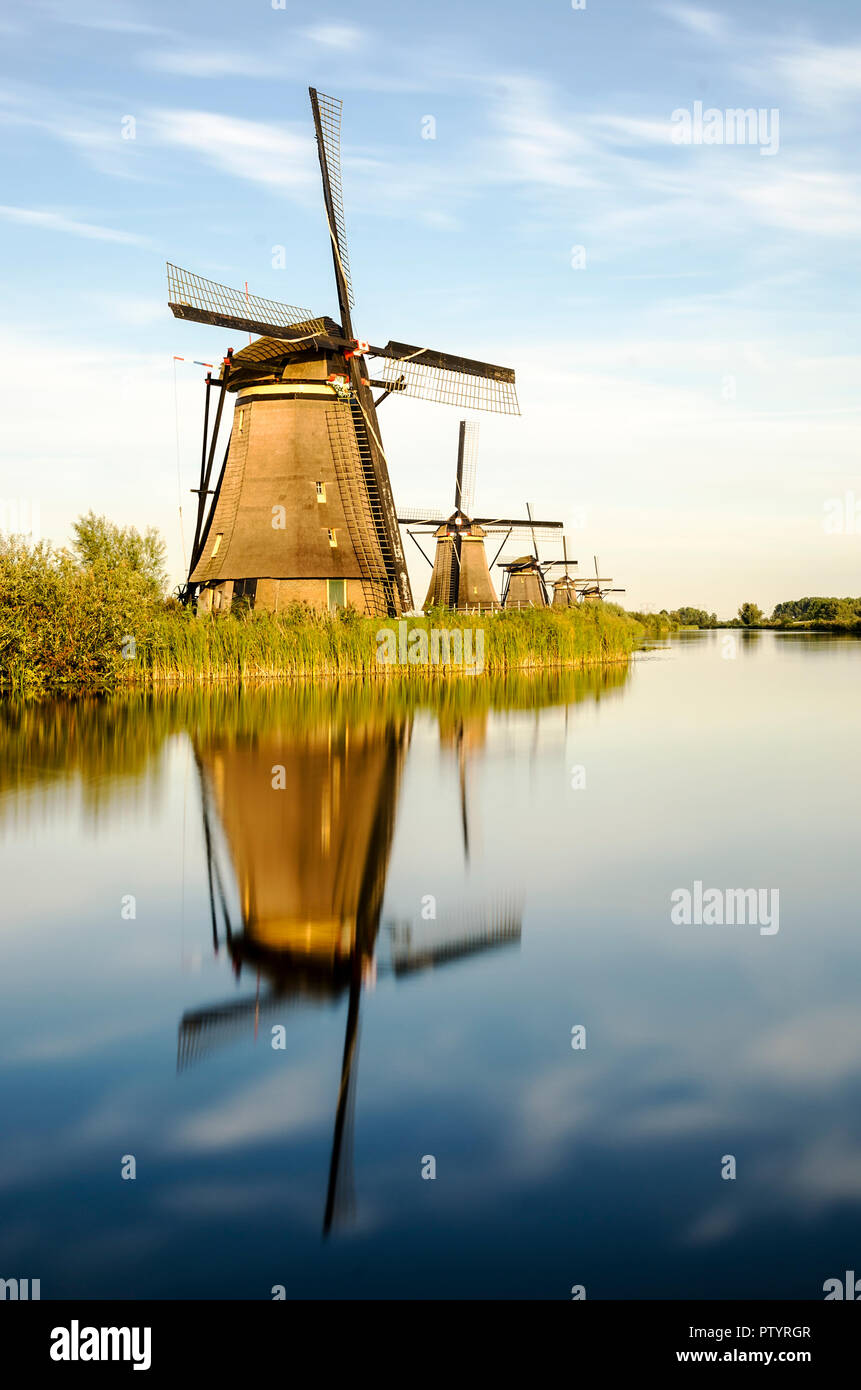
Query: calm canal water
(417, 898)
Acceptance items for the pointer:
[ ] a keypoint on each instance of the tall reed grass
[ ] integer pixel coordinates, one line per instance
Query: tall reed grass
(104, 626)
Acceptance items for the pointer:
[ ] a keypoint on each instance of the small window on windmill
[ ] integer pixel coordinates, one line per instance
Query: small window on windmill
(217, 544)
(241, 413)
(321, 492)
(333, 539)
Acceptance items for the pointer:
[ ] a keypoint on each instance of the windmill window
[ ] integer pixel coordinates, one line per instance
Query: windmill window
(333, 539)
(321, 492)
(241, 413)
(217, 544)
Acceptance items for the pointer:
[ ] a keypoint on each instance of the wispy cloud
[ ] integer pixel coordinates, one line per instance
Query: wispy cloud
(537, 146)
(56, 222)
(819, 202)
(708, 23)
(352, 58)
(111, 16)
(822, 74)
(264, 153)
(344, 36)
(200, 60)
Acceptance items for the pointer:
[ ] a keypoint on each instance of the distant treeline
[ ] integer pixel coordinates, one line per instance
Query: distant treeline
(678, 618)
(835, 614)
(839, 612)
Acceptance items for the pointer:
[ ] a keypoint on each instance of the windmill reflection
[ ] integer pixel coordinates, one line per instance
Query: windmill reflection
(298, 824)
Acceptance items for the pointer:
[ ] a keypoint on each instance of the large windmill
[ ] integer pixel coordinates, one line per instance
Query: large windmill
(302, 507)
(593, 590)
(460, 575)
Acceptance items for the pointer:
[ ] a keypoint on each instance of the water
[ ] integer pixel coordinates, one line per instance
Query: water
(408, 1037)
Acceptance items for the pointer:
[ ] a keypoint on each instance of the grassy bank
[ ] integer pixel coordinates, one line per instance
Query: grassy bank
(97, 622)
(172, 647)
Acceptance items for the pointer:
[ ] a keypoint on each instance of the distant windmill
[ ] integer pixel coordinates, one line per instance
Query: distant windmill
(565, 587)
(302, 508)
(525, 585)
(594, 590)
(460, 575)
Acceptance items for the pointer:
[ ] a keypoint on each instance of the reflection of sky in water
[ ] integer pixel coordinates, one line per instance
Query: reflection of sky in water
(554, 1167)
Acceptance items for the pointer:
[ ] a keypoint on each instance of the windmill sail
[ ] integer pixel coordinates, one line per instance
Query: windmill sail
(446, 379)
(467, 457)
(327, 123)
(192, 297)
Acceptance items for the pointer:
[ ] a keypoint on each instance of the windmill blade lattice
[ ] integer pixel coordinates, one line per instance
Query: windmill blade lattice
(329, 109)
(205, 301)
(446, 379)
(469, 460)
(422, 516)
(545, 531)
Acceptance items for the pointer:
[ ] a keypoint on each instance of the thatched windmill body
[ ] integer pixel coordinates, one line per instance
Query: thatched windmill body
(565, 588)
(525, 584)
(460, 572)
(302, 507)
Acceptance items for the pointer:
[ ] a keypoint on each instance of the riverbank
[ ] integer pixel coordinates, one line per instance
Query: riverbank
(165, 646)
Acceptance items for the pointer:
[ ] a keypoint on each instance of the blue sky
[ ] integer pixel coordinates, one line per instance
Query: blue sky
(689, 394)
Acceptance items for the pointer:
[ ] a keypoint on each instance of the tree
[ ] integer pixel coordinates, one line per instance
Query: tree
(100, 543)
(695, 617)
(751, 615)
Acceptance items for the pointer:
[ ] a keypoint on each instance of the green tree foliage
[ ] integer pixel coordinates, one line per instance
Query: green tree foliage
(844, 612)
(679, 617)
(751, 615)
(694, 617)
(101, 544)
(82, 617)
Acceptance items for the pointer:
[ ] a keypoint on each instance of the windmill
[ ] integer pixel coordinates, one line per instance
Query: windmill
(565, 587)
(593, 590)
(525, 585)
(460, 575)
(302, 507)
(307, 867)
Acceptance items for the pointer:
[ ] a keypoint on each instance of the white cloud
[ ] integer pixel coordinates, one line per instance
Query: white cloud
(289, 1103)
(706, 22)
(822, 75)
(111, 16)
(820, 202)
(344, 36)
(628, 130)
(201, 61)
(55, 222)
(264, 153)
(536, 146)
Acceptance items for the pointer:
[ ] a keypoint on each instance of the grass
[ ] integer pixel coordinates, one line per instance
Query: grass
(68, 625)
(265, 646)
